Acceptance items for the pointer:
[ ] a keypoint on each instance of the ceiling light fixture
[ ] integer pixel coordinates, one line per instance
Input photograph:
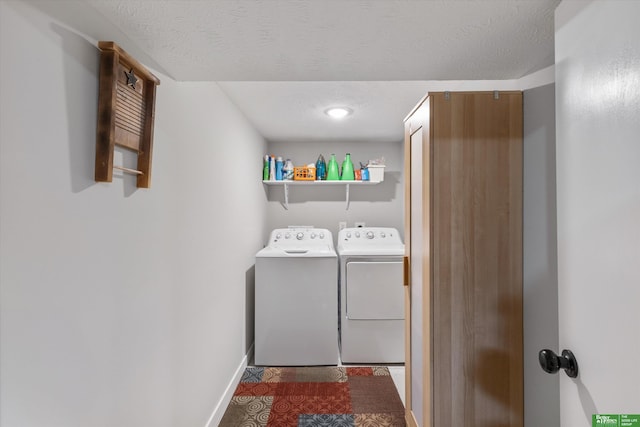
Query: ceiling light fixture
(338, 112)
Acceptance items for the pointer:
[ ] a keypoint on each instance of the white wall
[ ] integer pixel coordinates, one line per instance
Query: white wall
(119, 306)
(380, 205)
(598, 175)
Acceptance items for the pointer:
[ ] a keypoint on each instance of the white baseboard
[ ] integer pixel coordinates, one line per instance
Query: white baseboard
(218, 412)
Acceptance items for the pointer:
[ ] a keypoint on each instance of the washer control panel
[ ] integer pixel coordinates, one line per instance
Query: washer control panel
(295, 236)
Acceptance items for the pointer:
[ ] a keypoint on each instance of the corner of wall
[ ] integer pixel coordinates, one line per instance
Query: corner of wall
(223, 403)
(539, 78)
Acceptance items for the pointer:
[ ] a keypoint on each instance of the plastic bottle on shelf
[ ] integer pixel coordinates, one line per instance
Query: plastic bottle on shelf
(279, 166)
(265, 168)
(364, 172)
(347, 169)
(321, 169)
(332, 169)
(288, 170)
(272, 168)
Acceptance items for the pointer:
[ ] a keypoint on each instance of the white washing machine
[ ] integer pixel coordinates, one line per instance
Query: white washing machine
(371, 295)
(296, 299)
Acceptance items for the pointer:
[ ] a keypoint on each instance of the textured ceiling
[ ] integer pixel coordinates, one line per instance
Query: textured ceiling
(318, 40)
(282, 62)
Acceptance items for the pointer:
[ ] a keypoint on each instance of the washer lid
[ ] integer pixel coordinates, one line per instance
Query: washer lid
(297, 252)
(370, 241)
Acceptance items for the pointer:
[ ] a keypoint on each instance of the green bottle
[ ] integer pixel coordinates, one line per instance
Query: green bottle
(265, 168)
(332, 169)
(347, 169)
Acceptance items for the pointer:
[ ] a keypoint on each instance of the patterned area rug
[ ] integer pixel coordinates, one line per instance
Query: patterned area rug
(317, 396)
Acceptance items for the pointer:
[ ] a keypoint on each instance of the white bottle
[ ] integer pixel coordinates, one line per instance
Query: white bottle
(272, 168)
(288, 170)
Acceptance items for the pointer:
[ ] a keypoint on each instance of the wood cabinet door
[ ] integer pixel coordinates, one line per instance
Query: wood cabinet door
(463, 236)
(477, 259)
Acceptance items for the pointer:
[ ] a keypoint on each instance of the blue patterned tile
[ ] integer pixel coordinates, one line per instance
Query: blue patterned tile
(252, 375)
(326, 420)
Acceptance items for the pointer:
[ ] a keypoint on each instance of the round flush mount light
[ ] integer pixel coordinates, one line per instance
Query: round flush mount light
(338, 112)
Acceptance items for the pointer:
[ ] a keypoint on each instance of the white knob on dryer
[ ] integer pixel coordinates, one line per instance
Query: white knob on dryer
(369, 234)
(313, 235)
(300, 236)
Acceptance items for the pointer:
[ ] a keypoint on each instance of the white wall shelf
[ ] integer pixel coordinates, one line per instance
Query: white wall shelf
(346, 184)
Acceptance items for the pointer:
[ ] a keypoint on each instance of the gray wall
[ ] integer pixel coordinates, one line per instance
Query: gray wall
(118, 306)
(380, 205)
(540, 270)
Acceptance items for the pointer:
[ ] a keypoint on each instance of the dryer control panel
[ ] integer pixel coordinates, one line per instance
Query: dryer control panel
(383, 239)
(377, 235)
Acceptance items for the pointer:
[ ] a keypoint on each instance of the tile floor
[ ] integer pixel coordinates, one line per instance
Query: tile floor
(397, 373)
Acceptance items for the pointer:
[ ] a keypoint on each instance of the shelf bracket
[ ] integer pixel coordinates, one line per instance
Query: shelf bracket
(286, 196)
(347, 190)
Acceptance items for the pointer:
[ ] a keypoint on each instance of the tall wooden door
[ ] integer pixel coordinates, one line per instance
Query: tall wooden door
(465, 228)
(418, 284)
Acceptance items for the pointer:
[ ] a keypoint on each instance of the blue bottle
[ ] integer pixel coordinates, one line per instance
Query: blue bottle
(279, 165)
(321, 169)
(365, 174)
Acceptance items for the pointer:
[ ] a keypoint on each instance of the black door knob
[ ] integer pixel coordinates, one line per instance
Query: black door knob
(552, 363)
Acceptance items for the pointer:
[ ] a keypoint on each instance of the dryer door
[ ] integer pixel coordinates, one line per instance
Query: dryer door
(374, 290)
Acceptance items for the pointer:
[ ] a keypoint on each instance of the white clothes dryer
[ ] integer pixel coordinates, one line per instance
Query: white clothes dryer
(296, 299)
(371, 295)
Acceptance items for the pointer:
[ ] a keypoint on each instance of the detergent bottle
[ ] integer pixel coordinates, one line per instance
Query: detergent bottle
(347, 169)
(279, 166)
(321, 169)
(332, 169)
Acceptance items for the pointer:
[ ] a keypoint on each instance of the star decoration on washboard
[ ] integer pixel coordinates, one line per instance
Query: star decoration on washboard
(131, 78)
